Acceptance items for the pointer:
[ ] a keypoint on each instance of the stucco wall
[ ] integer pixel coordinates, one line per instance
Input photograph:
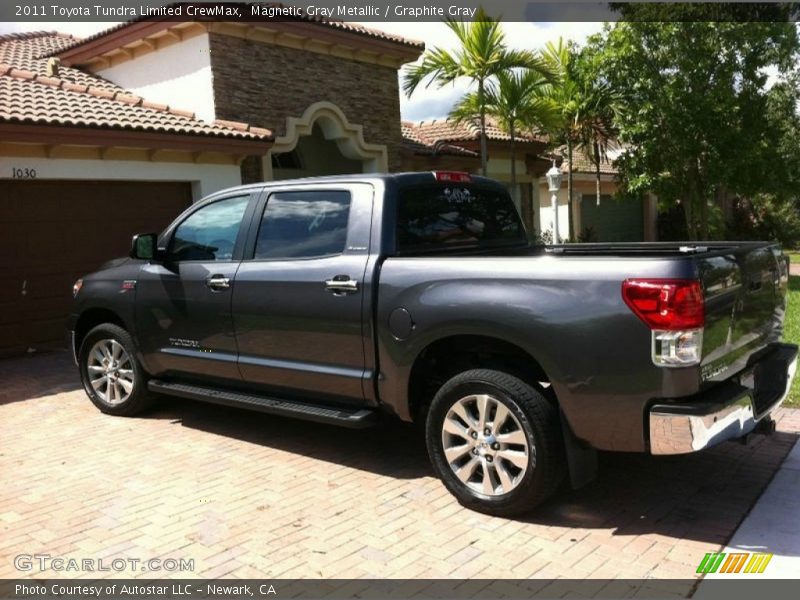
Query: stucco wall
(178, 75)
(585, 184)
(205, 178)
(263, 84)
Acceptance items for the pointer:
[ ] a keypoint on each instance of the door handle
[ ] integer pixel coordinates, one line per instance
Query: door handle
(341, 284)
(218, 282)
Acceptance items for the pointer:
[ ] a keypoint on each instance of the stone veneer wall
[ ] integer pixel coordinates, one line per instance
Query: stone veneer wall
(262, 84)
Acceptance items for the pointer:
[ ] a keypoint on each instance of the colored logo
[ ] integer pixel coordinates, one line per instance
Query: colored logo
(734, 562)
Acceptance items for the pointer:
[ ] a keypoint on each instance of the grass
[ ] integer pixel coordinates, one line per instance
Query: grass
(794, 256)
(791, 331)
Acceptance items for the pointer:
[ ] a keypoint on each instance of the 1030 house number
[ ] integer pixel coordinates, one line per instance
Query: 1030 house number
(23, 173)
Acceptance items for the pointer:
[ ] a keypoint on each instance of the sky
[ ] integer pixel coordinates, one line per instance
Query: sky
(426, 103)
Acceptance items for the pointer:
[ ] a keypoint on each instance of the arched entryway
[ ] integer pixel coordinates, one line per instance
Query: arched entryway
(322, 142)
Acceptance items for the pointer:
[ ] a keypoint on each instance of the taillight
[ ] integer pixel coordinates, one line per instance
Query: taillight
(452, 176)
(669, 304)
(675, 312)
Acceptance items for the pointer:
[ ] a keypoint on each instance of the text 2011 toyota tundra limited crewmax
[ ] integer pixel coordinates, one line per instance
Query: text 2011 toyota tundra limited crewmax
(419, 295)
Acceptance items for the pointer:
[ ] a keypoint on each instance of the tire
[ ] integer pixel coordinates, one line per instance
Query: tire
(117, 386)
(523, 453)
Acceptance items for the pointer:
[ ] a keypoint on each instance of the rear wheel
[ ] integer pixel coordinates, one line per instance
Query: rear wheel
(112, 377)
(495, 442)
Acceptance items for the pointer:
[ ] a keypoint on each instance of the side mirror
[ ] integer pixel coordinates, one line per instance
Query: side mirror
(144, 246)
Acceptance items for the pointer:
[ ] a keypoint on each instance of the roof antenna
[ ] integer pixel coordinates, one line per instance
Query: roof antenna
(53, 64)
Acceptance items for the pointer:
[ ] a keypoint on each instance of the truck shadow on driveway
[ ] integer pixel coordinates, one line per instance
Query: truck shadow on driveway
(391, 448)
(702, 496)
(699, 497)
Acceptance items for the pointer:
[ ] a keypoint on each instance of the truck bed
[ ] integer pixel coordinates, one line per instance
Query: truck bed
(563, 306)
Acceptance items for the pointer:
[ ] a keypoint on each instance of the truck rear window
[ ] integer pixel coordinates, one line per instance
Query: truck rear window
(455, 216)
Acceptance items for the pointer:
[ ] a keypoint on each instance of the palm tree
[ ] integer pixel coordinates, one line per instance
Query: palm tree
(564, 99)
(585, 112)
(518, 101)
(597, 125)
(482, 54)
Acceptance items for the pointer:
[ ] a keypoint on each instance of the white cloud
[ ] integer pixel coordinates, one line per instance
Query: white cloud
(426, 103)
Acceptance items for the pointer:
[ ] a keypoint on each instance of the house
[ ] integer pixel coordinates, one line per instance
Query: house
(447, 144)
(115, 134)
(420, 154)
(446, 135)
(83, 165)
(611, 220)
(327, 89)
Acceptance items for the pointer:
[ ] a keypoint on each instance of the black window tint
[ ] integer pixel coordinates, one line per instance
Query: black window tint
(303, 225)
(210, 232)
(456, 215)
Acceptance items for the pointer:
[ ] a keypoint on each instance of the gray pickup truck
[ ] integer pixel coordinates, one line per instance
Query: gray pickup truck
(419, 295)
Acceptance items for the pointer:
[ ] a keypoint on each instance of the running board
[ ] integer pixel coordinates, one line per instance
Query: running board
(344, 417)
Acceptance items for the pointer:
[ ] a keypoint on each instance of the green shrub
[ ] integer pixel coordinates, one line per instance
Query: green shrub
(766, 217)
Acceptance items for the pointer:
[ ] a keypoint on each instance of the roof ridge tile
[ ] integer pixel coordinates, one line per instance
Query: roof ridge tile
(262, 131)
(155, 105)
(100, 92)
(70, 86)
(21, 74)
(51, 81)
(128, 98)
(238, 125)
(189, 114)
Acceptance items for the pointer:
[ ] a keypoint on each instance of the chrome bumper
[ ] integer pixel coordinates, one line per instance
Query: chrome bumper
(682, 428)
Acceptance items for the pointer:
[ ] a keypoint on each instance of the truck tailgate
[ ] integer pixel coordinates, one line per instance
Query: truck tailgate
(745, 292)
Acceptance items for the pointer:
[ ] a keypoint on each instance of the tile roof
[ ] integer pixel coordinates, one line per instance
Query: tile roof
(418, 145)
(582, 164)
(77, 98)
(452, 131)
(367, 31)
(336, 24)
(23, 51)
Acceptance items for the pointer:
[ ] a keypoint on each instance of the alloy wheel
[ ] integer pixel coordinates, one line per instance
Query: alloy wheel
(485, 445)
(110, 372)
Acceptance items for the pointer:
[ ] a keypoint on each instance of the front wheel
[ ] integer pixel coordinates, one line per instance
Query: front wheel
(112, 377)
(495, 442)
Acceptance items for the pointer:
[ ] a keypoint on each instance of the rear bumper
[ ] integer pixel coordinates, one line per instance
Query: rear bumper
(729, 411)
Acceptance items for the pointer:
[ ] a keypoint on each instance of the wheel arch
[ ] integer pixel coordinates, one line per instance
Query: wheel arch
(447, 356)
(91, 318)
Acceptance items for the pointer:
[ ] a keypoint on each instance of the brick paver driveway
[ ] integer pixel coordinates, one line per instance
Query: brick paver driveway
(246, 494)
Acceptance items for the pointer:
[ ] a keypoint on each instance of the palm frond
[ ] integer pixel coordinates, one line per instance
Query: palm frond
(438, 66)
(467, 110)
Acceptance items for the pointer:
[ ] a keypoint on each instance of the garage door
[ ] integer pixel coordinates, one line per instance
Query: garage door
(52, 232)
(614, 220)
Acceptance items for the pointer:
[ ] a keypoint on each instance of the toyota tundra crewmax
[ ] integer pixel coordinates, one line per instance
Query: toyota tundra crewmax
(419, 295)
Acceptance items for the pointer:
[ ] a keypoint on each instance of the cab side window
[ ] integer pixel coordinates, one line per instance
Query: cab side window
(303, 225)
(209, 234)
